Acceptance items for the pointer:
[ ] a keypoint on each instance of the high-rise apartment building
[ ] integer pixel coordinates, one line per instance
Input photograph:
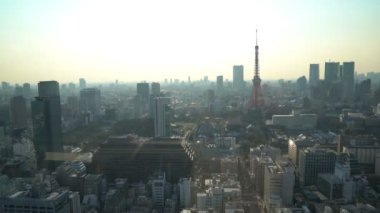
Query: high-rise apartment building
(331, 72)
(314, 161)
(46, 118)
(314, 74)
(161, 116)
(238, 76)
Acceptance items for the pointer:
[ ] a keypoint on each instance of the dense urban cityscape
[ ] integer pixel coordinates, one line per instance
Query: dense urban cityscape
(190, 106)
(309, 145)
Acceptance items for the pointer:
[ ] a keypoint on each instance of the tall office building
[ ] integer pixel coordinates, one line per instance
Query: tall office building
(314, 161)
(18, 90)
(19, 115)
(46, 118)
(155, 88)
(331, 71)
(238, 76)
(161, 116)
(26, 90)
(348, 80)
(90, 100)
(301, 84)
(155, 92)
(82, 83)
(143, 91)
(314, 74)
(219, 82)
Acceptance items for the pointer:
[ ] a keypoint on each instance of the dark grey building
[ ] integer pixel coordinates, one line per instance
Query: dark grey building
(18, 112)
(143, 91)
(314, 161)
(54, 202)
(156, 88)
(314, 74)
(348, 80)
(46, 118)
(331, 71)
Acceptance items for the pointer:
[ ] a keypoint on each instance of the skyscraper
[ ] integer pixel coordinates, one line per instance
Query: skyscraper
(46, 117)
(26, 90)
(155, 88)
(219, 82)
(238, 76)
(18, 112)
(90, 100)
(143, 91)
(161, 116)
(331, 71)
(348, 80)
(314, 74)
(82, 83)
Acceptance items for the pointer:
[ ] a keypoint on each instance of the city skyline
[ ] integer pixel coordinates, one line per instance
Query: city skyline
(152, 41)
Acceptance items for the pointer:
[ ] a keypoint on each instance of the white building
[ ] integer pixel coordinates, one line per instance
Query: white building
(295, 121)
(225, 142)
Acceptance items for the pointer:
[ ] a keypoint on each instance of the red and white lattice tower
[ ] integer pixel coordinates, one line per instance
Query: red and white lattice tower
(257, 100)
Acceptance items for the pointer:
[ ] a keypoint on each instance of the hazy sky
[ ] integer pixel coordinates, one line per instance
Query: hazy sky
(157, 39)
